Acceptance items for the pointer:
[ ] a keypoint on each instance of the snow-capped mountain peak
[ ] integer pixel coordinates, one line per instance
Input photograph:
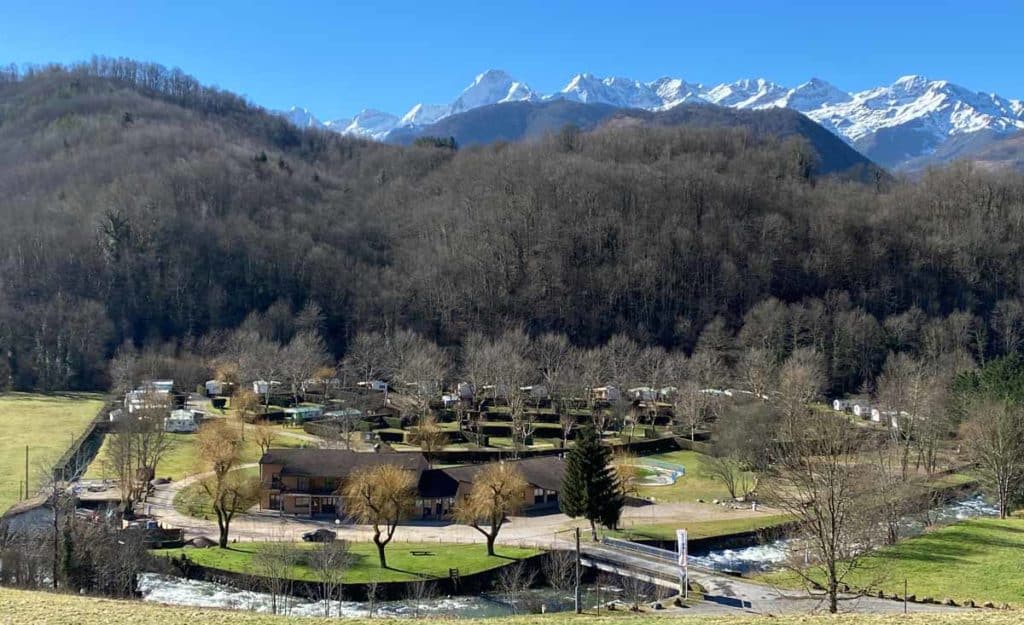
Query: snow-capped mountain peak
(813, 94)
(674, 91)
(371, 124)
(301, 117)
(910, 118)
(747, 94)
(423, 114)
(491, 87)
(616, 91)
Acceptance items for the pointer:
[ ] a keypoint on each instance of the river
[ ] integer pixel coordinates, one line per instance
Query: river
(184, 592)
(770, 555)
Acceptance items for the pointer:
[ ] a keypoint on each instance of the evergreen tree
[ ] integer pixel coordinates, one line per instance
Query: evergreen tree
(590, 488)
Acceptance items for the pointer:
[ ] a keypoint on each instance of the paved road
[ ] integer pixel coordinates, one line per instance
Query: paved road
(738, 595)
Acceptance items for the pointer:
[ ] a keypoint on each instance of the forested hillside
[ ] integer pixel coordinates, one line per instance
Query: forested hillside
(139, 206)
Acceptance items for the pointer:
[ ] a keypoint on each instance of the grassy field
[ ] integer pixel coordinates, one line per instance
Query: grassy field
(18, 607)
(701, 529)
(692, 486)
(978, 559)
(181, 461)
(406, 561)
(47, 424)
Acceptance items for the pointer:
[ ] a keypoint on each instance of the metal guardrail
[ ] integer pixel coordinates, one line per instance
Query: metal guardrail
(628, 545)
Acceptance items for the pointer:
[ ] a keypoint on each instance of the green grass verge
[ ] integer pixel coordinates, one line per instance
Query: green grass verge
(181, 459)
(25, 607)
(978, 559)
(47, 424)
(701, 529)
(406, 561)
(689, 488)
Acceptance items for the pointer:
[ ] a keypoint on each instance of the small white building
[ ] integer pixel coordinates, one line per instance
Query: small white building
(886, 416)
(218, 388)
(606, 393)
(497, 391)
(262, 387)
(147, 399)
(320, 385)
(643, 393)
(181, 422)
(861, 409)
(159, 386)
(374, 385)
(842, 405)
(666, 393)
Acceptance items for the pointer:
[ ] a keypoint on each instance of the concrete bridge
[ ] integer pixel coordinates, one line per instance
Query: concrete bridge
(629, 559)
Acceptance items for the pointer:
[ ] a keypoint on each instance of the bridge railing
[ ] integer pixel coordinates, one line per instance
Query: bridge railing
(648, 550)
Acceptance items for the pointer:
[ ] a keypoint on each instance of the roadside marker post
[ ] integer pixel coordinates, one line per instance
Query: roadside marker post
(681, 548)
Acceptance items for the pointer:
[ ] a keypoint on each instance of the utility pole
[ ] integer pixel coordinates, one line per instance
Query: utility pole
(579, 567)
(26, 471)
(904, 595)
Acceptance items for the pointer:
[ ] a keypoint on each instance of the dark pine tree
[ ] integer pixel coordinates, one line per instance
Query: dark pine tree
(590, 488)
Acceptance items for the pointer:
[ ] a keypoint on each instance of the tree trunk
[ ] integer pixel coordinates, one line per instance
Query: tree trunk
(593, 530)
(380, 554)
(490, 543)
(223, 526)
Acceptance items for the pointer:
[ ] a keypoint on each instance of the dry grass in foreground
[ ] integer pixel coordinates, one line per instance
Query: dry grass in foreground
(23, 607)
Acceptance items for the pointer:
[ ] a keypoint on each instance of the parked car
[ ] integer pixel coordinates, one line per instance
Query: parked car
(319, 536)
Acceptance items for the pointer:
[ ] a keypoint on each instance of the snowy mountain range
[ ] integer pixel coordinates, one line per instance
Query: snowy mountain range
(907, 121)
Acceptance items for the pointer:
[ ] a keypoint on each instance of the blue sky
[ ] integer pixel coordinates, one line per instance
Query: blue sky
(336, 58)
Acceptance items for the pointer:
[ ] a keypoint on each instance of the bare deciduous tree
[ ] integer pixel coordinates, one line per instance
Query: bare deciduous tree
(513, 582)
(264, 434)
(329, 561)
(994, 437)
(229, 492)
(382, 497)
(273, 562)
(498, 490)
(732, 474)
(429, 436)
(757, 371)
(818, 482)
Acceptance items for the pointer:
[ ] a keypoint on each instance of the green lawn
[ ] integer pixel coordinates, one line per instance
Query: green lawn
(978, 559)
(181, 460)
(47, 424)
(701, 529)
(689, 488)
(406, 561)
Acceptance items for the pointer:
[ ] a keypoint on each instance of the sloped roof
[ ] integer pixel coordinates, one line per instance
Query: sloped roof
(337, 463)
(544, 472)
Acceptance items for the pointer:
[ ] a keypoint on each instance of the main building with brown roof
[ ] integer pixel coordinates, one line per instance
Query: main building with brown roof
(305, 482)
